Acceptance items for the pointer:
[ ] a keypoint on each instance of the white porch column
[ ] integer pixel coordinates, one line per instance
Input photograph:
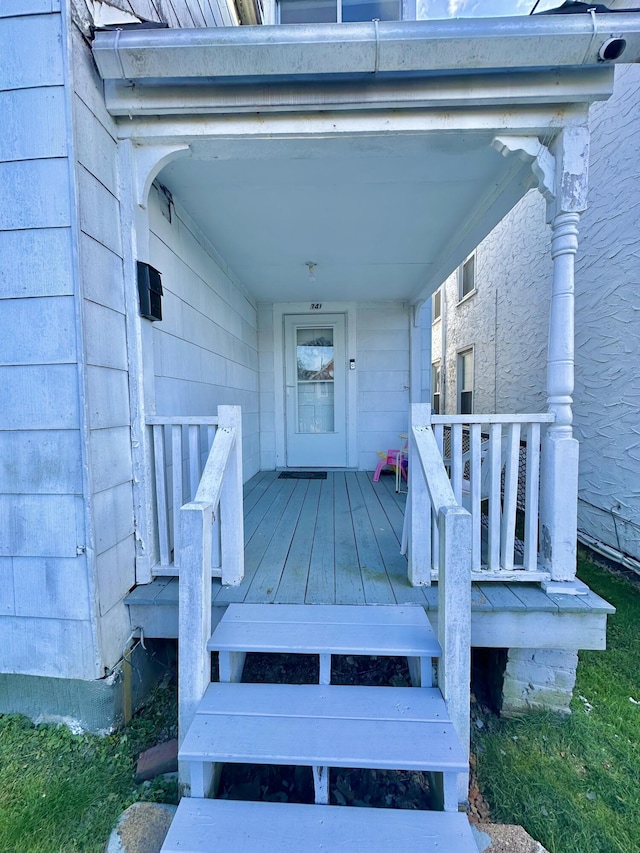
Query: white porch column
(559, 463)
(561, 173)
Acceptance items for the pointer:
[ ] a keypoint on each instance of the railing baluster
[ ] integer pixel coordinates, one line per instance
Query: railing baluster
(216, 560)
(475, 495)
(194, 459)
(494, 483)
(162, 505)
(531, 498)
(438, 432)
(508, 527)
(177, 492)
(456, 461)
(189, 464)
(482, 456)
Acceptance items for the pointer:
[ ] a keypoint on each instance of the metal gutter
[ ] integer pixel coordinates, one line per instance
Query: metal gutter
(405, 47)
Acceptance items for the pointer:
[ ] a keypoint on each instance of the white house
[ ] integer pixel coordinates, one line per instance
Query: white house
(498, 328)
(216, 242)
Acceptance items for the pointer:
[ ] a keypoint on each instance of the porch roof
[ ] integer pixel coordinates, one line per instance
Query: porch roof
(365, 149)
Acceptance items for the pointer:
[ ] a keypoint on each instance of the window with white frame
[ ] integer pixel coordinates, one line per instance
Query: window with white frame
(467, 278)
(343, 11)
(465, 382)
(436, 302)
(436, 387)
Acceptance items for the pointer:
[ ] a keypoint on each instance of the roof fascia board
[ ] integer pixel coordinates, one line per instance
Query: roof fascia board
(365, 48)
(543, 121)
(560, 86)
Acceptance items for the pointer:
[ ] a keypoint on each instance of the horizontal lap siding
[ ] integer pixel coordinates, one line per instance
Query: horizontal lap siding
(205, 347)
(383, 379)
(106, 380)
(267, 389)
(45, 610)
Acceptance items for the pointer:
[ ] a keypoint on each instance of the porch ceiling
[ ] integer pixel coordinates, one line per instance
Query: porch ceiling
(365, 149)
(378, 214)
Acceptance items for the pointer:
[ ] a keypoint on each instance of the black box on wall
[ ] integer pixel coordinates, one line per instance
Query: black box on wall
(149, 291)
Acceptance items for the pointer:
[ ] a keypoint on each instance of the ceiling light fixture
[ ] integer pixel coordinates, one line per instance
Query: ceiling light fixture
(311, 266)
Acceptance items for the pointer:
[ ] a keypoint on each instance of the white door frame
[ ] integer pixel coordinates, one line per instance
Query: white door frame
(349, 309)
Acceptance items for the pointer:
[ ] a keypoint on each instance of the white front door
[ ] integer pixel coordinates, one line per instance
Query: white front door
(315, 391)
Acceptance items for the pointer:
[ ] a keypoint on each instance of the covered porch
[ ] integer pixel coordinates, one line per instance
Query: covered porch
(329, 215)
(319, 204)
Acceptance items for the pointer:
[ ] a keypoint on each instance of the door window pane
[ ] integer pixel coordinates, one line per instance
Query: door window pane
(315, 372)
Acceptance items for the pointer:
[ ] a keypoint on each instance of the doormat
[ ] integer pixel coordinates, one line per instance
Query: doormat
(302, 475)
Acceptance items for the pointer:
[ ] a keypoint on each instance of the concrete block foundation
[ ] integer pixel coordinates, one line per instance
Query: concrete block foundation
(538, 680)
(98, 707)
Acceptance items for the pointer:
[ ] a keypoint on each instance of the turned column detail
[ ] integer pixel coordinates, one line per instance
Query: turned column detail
(560, 351)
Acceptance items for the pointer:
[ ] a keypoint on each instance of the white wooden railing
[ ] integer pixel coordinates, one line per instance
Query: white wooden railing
(181, 446)
(493, 462)
(219, 494)
(431, 496)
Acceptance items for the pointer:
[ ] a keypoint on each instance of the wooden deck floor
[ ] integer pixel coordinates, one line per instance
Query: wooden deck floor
(333, 541)
(337, 541)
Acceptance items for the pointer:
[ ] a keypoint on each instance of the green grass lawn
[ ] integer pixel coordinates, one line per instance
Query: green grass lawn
(62, 793)
(574, 784)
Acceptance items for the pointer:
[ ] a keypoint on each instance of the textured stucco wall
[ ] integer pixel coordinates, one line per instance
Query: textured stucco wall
(513, 273)
(607, 391)
(507, 321)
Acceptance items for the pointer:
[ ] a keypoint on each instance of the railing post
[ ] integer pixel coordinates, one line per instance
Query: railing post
(194, 623)
(231, 503)
(419, 506)
(454, 623)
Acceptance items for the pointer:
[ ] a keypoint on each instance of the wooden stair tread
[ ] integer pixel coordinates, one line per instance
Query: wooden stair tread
(320, 629)
(321, 700)
(201, 826)
(294, 731)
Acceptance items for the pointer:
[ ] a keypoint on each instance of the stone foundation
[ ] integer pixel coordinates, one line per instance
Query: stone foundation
(538, 680)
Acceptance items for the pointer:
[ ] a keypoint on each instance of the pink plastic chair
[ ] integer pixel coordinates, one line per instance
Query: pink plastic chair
(394, 459)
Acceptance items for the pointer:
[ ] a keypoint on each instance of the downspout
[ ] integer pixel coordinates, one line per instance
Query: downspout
(443, 349)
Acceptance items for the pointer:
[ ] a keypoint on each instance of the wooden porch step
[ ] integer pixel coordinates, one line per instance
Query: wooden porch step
(335, 629)
(324, 726)
(201, 826)
(327, 630)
